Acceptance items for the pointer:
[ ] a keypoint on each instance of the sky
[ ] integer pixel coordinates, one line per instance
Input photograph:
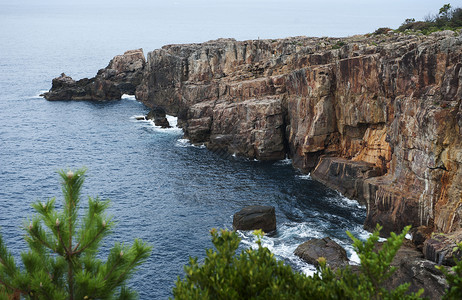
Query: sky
(100, 29)
(241, 19)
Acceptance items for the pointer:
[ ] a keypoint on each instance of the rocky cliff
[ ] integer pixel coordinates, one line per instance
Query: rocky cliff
(377, 117)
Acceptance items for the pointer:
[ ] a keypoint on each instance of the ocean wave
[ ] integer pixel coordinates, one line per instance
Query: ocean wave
(173, 121)
(346, 202)
(283, 162)
(289, 236)
(38, 96)
(128, 97)
(305, 176)
(185, 143)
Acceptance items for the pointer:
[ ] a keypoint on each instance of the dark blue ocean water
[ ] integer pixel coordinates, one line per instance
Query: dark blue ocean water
(162, 189)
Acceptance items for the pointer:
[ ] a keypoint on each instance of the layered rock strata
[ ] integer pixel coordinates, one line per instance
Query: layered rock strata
(376, 117)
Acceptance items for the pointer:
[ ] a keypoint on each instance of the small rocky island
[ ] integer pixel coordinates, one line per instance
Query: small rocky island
(376, 117)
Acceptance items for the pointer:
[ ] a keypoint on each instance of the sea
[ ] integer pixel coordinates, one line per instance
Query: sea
(162, 189)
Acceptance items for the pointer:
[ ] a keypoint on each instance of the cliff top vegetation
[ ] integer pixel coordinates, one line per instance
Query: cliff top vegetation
(447, 18)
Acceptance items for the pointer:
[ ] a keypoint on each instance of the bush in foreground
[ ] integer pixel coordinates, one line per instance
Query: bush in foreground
(62, 262)
(257, 274)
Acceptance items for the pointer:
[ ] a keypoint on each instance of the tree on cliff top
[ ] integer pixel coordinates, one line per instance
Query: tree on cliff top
(447, 18)
(62, 262)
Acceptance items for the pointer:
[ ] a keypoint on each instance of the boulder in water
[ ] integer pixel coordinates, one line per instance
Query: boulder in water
(255, 217)
(310, 251)
(158, 115)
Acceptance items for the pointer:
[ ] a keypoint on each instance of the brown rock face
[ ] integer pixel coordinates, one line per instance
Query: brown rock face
(121, 76)
(411, 267)
(378, 118)
(389, 107)
(253, 128)
(255, 217)
(125, 71)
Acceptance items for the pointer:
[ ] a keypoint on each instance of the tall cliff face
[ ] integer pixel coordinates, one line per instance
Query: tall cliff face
(377, 117)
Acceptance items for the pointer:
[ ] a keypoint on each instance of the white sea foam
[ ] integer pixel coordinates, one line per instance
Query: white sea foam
(37, 96)
(346, 202)
(284, 162)
(173, 121)
(306, 176)
(283, 245)
(184, 143)
(128, 97)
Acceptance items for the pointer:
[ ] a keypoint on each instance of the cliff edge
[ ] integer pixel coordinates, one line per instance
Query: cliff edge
(376, 117)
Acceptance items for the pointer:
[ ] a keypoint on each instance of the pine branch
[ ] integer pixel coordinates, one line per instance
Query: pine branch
(90, 243)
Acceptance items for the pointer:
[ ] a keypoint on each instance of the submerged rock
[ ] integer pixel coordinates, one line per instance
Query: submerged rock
(255, 217)
(310, 251)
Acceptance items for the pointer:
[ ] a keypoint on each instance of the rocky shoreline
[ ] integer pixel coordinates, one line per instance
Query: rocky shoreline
(377, 117)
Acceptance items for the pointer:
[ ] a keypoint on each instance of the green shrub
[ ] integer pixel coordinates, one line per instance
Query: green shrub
(447, 18)
(454, 279)
(338, 45)
(382, 30)
(257, 274)
(62, 259)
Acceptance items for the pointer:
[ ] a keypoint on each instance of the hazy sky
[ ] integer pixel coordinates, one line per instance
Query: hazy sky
(242, 19)
(104, 28)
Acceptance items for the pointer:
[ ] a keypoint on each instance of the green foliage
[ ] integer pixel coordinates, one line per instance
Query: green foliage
(376, 266)
(454, 279)
(382, 30)
(257, 274)
(62, 260)
(338, 45)
(448, 18)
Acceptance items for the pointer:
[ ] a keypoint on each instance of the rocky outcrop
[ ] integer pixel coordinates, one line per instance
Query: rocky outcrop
(125, 71)
(442, 249)
(345, 175)
(377, 117)
(159, 117)
(253, 128)
(255, 217)
(310, 251)
(421, 273)
(121, 76)
(66, 88)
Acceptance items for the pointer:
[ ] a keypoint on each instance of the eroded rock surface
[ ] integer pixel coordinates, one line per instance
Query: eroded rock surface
(159, 117)
(121, 76)
(388, 104)
(377, 117)
(255, 217)
(421, 273)
(310, 251)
